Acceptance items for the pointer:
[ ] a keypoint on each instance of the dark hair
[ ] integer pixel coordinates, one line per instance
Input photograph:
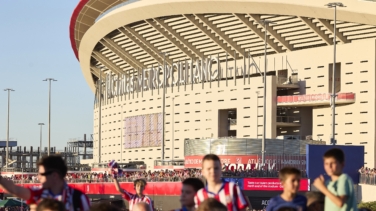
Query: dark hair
(316, 206)
(139, 181)
(195, 183)
(104, 206)
(54, 163)
(211, 204)
(287, 209)
(50, 204)
(335, 153)
(212, 157)
(288, 171)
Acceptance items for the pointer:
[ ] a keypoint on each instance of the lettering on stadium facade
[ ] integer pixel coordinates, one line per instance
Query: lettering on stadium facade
(179, 74)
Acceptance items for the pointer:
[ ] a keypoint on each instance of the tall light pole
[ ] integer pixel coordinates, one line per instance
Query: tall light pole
(7, 151)
(164, 103)
(265, 23)
(40, 136)
(49, 113)
(333, 102)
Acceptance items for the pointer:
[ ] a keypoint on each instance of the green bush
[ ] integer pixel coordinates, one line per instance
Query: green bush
(369, 205)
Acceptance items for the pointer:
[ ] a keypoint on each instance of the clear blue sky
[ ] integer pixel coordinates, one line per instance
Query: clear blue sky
(35, 45)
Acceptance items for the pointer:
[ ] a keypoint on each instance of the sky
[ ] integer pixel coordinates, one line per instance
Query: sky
(35, 45)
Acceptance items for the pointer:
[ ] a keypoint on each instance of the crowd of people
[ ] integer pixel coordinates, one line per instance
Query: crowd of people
(367, 175)
(150, 176)
(336, 194)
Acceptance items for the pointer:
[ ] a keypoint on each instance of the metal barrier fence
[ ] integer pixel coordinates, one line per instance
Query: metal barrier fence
(242, 146)
(368, 179)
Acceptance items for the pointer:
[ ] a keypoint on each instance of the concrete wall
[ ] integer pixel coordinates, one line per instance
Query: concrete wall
(366, 193)
(196, 109)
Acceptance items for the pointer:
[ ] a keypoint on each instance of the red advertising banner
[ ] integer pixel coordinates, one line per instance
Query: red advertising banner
(271, 184)
(244, 162)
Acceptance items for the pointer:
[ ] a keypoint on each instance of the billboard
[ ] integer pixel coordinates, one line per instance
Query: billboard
(271, 184)
(354, 160)
(244, 162)
(143, 131)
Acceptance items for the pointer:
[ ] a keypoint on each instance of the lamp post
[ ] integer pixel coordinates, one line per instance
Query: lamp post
(49, 113)
(265, 23)
(40, 137)
(7, 151)
(163, 103)
(333, 101)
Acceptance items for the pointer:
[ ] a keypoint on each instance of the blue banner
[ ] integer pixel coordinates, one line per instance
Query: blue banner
(354, 160)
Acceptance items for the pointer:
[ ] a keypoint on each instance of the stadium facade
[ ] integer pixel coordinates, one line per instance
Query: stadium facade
(210, 55)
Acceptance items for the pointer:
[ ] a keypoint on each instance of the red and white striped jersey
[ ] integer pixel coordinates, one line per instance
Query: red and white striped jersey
(230, 195)
(134, 199)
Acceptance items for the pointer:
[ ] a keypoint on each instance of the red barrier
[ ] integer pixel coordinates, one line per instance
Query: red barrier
(152, 188)
(269, 184)
(313, 97)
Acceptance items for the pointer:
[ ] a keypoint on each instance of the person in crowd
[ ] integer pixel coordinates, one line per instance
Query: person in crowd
(103, 206)
(211, 204)
(51, 173)
(188, 192)
(290, 180)
(142, 206)
(228, 193)
(316, 206)
(314, 196)
(339, 190)
(139, 186)
(50, 205)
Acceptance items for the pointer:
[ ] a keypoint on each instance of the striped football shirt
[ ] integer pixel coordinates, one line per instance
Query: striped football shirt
(134, 199)
(230, 195)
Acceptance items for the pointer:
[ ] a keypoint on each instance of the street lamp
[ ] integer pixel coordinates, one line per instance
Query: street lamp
(40, 136)
(7, 151)
(49, 113)
(333, 102)
(265, 23)
(163, 102)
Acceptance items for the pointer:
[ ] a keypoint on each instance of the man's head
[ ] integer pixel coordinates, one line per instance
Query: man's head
(334, 161)
(314, 196)
(141, 206)
(211, 204)
(50, 205)
(189, 190)
(211, 168)
(139, 186)
(51, 169)
(290, 179)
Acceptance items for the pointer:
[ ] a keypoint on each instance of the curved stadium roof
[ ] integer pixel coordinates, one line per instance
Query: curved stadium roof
(126, 35)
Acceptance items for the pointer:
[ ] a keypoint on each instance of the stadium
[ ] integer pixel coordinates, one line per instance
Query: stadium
(174, 80)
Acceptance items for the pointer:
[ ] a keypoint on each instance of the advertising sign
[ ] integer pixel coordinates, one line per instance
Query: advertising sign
(244, 162)
(259, 203)
(271, 184)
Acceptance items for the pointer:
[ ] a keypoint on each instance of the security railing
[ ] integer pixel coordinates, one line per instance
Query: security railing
(286, 81)
(368, 179)
(288, 119)
(232, 121)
